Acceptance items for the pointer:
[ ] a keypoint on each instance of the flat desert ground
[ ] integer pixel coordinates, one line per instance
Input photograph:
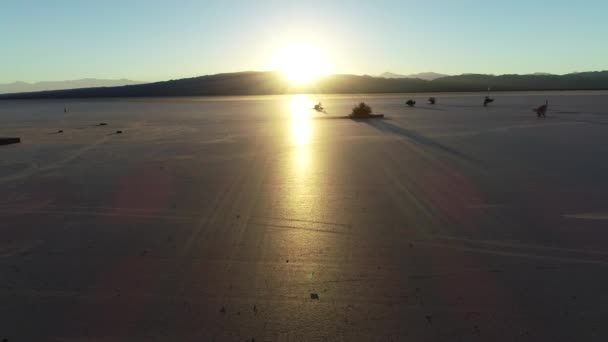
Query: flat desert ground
(256, 218)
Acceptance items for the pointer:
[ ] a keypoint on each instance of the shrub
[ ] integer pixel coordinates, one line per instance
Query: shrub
(361, 110)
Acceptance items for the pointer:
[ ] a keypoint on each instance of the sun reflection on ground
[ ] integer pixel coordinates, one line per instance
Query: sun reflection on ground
(301, 155)
(299, 108)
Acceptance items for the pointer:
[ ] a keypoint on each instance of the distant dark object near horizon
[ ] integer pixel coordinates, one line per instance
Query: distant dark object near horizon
(102, 124)
(118, 132)
(11, 140)
(319, 108)
(487, 100)
(432, 100)
(541, 112)
(410, 103)
(361, 110)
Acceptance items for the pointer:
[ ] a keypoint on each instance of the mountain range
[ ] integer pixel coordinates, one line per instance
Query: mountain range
(269, 82)
(429, 76)
(22, 87)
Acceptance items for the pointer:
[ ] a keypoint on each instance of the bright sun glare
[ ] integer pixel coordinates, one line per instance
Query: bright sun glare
(302, 63)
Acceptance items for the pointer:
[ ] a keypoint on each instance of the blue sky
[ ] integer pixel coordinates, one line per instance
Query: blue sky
(152, 40)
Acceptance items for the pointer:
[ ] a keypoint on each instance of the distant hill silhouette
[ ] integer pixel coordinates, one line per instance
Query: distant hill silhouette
(21, 87)
(263, 83)
(429, 76)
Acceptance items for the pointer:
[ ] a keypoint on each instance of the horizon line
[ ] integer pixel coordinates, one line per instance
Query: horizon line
(541, 73)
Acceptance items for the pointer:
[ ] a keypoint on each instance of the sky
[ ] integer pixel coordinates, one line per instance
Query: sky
(152, 40)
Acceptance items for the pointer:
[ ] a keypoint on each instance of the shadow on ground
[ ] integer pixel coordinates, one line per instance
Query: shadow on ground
(414, 137)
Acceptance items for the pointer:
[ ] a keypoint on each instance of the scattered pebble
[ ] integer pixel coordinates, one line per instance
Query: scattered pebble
(287, 261)
(118, 132)
(102, 124)
(314, 296)
(223, 310)
(255, 309)
(429, 319)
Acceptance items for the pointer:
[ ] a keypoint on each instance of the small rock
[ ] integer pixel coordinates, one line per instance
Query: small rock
(429, 319)
(118, 132)
(287, 261)
(223, 310)
(255, 309)
(314, 296)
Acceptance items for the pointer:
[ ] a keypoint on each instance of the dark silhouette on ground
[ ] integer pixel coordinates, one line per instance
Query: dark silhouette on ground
(363, 111)
(319, 108)
(410, 103)
(7, 141)
(487, 100)
(263, 83)
(542, 110)
(432, 100)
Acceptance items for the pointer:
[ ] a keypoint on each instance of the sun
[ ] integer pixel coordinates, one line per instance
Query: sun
(302, 63)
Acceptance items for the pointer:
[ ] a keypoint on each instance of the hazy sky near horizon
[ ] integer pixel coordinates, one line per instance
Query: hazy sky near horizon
(151, 40)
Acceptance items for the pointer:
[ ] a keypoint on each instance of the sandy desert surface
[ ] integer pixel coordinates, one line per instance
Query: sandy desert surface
(256, 218)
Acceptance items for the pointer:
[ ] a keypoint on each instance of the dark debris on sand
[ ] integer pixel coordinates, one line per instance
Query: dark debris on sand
(7, 141)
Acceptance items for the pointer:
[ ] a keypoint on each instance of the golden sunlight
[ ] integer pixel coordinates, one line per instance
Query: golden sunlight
(302, 63)
(299, 108)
